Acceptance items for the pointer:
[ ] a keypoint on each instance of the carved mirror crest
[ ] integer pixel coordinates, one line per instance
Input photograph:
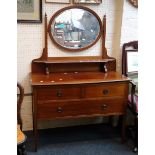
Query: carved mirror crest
(134, 3)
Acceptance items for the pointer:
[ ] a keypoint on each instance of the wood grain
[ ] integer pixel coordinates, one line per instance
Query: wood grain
(80, 108)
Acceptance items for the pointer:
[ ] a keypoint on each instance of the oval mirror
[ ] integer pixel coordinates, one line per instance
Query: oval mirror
(75, 28)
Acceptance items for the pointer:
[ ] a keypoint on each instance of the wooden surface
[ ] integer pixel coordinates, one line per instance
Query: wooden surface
(75, 78)
(134, 3)
(80, 108)
(82, 63)
(80, 59)
(67, 97)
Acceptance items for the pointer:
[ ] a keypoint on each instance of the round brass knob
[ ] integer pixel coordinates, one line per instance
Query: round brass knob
(105, 91)
(59, 110)
(59, 94)
(103, 106)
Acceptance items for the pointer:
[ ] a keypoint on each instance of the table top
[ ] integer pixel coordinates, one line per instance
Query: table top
(75, 78)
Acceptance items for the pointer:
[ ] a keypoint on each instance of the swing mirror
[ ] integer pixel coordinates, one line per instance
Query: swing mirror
(75, 28)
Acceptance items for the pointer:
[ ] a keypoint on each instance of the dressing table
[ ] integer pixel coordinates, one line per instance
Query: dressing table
(76, 87)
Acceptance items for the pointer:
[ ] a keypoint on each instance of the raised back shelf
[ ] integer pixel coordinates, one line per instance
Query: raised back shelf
(83, 59)
(73, 64)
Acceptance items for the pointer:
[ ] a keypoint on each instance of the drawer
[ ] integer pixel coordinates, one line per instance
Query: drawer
(105, 90)
(56, 93)
(59, 109)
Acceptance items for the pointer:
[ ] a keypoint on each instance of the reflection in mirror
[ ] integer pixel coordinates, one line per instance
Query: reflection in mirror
(75, 28)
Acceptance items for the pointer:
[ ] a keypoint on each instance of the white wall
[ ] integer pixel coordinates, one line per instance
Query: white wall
(129, 30)
(31, 42)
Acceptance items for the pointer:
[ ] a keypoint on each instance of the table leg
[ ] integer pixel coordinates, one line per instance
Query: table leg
(123, 128)
(35, 131)
(35, 124)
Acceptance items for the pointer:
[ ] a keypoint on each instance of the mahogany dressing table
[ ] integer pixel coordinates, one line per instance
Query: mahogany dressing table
(76, 87)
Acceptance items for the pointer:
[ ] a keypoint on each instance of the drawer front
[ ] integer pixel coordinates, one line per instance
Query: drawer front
(47, 110)
(105, 90)
(58, 93)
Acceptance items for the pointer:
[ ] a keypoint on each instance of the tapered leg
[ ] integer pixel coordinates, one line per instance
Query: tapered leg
(34, 113)
(123, 128)
(135, 149)
(35, 131)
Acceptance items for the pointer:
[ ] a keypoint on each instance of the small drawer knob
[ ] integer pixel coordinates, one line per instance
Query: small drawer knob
(103, 106)
(59, 110)
(105, 91)
(59, 94)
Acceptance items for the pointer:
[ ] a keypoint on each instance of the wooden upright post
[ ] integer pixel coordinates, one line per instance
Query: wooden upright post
(104, 50)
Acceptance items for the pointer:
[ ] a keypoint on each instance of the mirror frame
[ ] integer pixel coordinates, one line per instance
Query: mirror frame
(77, 7)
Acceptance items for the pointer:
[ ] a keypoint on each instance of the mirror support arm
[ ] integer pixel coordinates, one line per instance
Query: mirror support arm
(104, 50)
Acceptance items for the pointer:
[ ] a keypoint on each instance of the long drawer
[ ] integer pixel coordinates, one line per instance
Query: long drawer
(72, 108)
(105, 90)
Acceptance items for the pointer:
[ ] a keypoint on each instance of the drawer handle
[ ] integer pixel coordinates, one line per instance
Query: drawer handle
(104, 106)
(59, 94)
(59, 110)
(105, 91)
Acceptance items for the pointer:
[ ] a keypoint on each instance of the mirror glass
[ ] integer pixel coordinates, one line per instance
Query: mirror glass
(75, 28)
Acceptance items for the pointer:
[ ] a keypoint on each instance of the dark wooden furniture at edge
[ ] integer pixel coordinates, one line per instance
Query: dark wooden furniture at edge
(21, 137)
(133, 93)
(76, 87)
